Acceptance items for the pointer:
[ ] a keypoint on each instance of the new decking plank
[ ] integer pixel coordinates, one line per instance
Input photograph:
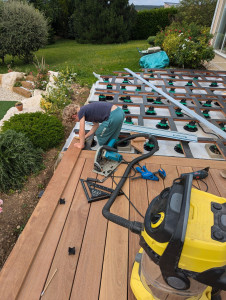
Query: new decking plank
(90, 262)
(38, 272)
(139, 197)
(171, 174)
(168, 160)
(17, 265)
(219, 180)
(86, 265)
(115, 267)
(154, 187)
(210, 181)
(72, 236)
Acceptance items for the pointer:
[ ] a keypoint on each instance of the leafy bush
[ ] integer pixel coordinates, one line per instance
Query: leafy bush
(186, 45)
(18, 159)
(150, 21)
(151, 40)
(59, 96)
(44, 131)
(23, 29)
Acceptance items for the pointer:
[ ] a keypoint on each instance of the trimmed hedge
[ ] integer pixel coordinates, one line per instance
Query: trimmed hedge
(149, 22)
(18, 159)
(44, 131)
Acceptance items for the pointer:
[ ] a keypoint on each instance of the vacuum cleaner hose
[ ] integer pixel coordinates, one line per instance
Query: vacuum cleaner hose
(133, 226)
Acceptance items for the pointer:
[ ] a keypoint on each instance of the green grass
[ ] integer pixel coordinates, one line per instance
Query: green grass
(4, 106)
(85, 59)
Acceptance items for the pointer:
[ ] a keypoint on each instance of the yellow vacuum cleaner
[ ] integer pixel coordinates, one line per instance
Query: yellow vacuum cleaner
(183, 240)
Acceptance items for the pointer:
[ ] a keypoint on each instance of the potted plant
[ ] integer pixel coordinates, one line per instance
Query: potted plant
(19, 106)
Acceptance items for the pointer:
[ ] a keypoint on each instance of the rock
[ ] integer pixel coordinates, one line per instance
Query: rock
(30, 78)
(51, 83)
(9, 79)
(27, 85)
(22, 91)
(33, 103)
(52, 74)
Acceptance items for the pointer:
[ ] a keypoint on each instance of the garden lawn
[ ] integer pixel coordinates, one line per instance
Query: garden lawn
(4, 106)
(84, 59)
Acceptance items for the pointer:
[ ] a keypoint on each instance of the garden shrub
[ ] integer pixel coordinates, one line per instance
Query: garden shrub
(187, 46)
(23, 29)
(60, 95)
(151, 40)
(44, 131)
(18, 159)
(149, 22)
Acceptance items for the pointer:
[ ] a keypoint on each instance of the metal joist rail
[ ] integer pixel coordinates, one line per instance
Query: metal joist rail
(216, 129)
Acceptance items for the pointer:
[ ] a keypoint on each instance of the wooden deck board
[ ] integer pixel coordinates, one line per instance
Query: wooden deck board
(72, 236)
(139, 197)
(114, 276)
(105, 252)
(35, 280)
(92, 254)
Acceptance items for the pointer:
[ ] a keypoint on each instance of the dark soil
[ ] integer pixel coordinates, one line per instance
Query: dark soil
(19, 205)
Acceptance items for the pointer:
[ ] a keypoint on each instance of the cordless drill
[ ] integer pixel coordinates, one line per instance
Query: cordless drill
(201, 174)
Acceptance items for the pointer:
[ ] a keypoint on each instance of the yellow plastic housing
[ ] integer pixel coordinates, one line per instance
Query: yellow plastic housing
(200, 252)
(143, 292)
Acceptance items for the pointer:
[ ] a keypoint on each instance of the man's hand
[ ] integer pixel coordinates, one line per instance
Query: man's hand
(79, 145)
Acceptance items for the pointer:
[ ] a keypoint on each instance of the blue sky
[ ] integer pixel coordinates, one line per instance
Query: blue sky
(151, 2)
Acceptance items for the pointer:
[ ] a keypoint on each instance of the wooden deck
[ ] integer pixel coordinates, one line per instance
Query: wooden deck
(101, 266)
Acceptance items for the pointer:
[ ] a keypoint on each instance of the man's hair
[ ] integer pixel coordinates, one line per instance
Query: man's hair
(68, 112)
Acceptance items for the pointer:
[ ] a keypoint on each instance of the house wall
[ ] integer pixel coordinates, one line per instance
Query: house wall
(219, 61)
(218, 14)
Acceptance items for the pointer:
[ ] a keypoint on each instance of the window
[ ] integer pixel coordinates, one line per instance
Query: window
(220, 38)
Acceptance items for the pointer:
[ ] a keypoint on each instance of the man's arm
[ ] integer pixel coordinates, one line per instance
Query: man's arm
(81, 143)
(92, 130)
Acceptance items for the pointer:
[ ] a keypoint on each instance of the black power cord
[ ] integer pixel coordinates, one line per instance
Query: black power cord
(128, 198)
(202, 182)
(203, 128)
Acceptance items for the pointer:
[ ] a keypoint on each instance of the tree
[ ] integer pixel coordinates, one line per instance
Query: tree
(57, 12)
(2, 46)
(198, 11)
(102, 21)
(23, 29)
